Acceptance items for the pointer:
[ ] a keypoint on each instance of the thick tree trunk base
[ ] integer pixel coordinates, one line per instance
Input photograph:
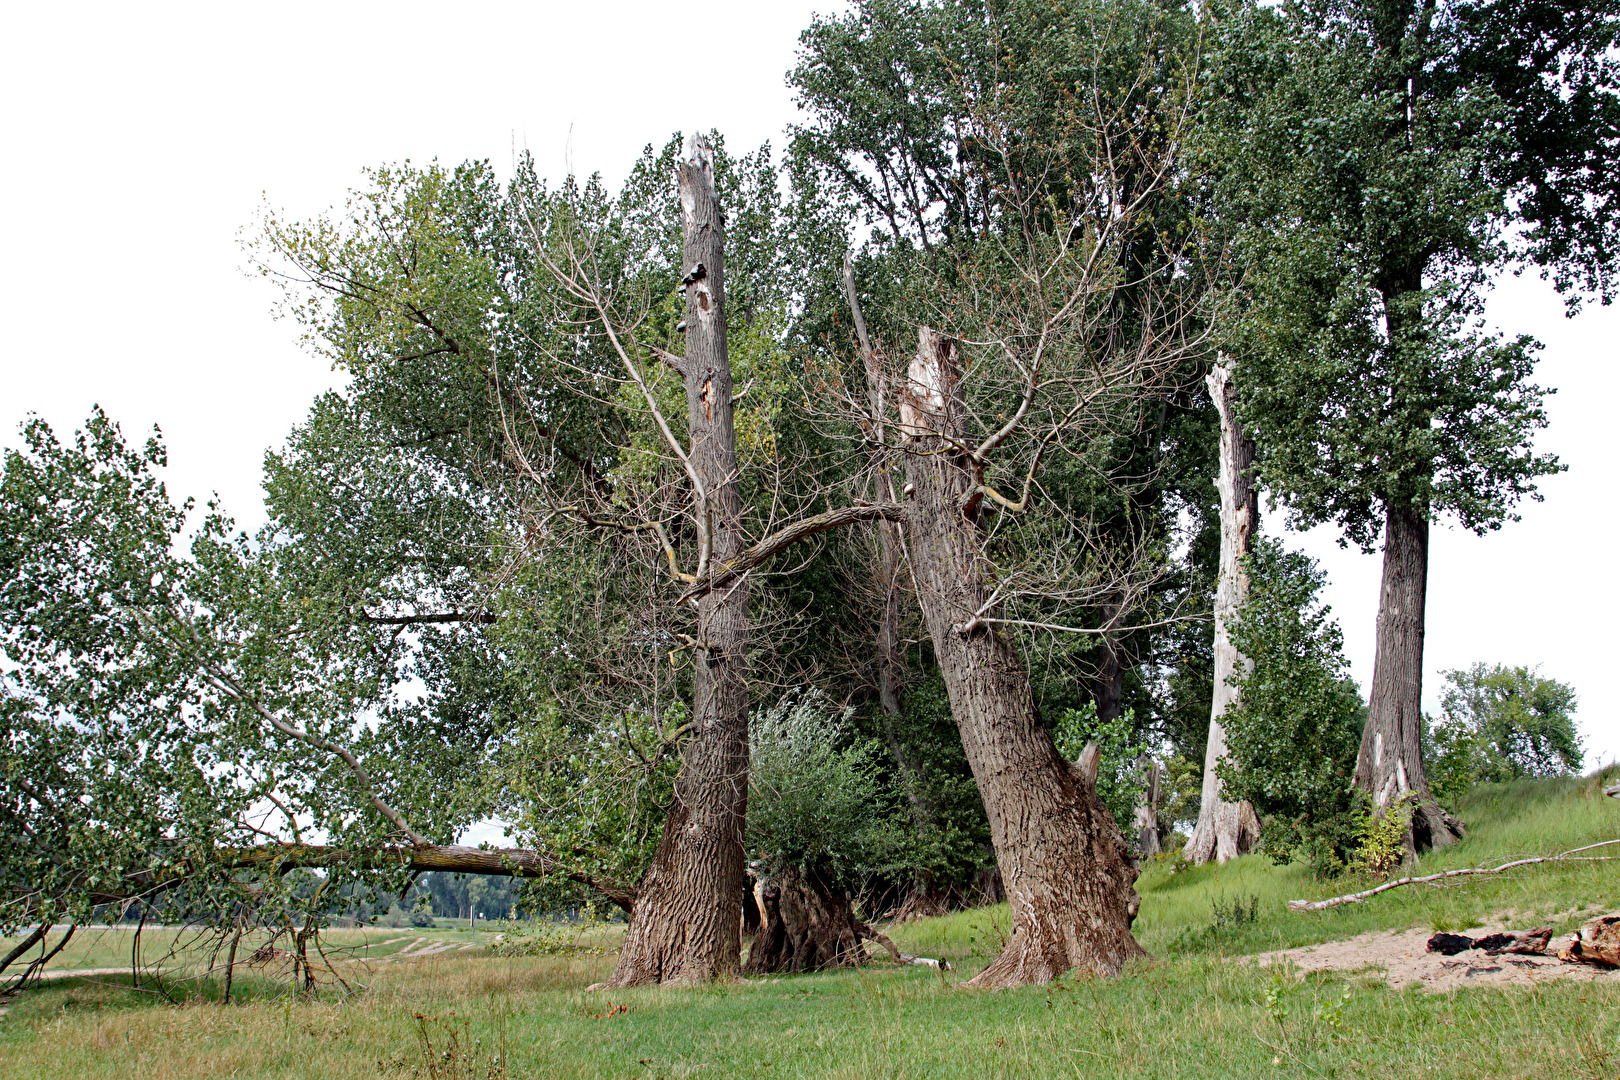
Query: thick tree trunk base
(1225, 830)
(808, 926)
(1389, 767)
(923, 902)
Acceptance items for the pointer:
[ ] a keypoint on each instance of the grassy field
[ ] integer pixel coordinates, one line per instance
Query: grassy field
(1189, 1012)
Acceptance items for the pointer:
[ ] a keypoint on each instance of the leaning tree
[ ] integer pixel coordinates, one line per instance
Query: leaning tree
(1372, 165)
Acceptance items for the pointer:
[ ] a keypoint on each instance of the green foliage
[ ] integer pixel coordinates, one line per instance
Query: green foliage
(1381, 839)
(816, 796)
(949, 840)
(1371, 165)
(1296, 727)
(1120, 780)
(1499, 723)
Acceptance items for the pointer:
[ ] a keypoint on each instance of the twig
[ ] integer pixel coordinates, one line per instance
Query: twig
(1356, 898)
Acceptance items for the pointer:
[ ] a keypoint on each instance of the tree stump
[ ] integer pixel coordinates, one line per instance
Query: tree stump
(1598, 942)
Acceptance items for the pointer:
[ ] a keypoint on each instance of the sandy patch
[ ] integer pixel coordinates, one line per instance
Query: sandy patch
(1403, 960)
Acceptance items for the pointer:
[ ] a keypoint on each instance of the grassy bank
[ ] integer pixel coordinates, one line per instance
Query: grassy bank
(1186, 1013)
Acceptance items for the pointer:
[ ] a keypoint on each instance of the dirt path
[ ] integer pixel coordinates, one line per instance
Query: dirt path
(1403, 960)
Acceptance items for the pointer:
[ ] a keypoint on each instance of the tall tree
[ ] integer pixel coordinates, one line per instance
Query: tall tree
(1226, 829)
(1377, 161)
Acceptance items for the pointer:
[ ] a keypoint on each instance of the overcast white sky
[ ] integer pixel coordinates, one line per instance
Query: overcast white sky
(140, 140)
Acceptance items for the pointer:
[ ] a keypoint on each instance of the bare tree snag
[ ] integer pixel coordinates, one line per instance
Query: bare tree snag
(1063, 861)
(686, 927)
(1226, 829)
(1390, 764)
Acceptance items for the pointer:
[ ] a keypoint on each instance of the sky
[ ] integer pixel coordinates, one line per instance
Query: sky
(140, 143)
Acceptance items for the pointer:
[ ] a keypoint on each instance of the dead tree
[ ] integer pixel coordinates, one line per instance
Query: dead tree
(687, 926)
(1227, 829)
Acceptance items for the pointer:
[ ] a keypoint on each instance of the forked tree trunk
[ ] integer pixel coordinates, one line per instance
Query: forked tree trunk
(686, 927)
(1064, 863)
(1390, 764)
(1226, 829)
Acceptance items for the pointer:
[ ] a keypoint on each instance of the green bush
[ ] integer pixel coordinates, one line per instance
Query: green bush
(816, 797)
(1296, 727)
(1500, 723)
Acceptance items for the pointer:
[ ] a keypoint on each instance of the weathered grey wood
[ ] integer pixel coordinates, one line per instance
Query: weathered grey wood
(1226, 829)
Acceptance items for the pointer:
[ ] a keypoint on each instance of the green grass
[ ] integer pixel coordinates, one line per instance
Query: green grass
(1186, 1013)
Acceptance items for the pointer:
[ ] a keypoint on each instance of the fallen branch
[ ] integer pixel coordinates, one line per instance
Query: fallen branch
(1355, 898)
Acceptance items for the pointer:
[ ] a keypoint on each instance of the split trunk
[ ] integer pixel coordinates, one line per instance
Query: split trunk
(1063, 860)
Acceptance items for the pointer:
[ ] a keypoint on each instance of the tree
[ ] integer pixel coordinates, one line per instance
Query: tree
(1295, 721)
(1373, 164)
(1501, 723)
(1020, 173)
(1226, 829)
(182, 714)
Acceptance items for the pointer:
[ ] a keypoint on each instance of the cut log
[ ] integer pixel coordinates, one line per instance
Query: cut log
(1597, 942)
(1521, 943)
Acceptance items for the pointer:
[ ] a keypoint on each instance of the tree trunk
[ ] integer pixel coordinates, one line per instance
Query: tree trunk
(808, 926)
(1145, 820)
(1225, 829)
(1063, 860)
(686, 927)
(1390, 764)
(1108, 685)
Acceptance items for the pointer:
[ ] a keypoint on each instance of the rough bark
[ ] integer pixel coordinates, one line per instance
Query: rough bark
(1063, 861)
(1390, 765)
(1226, 829)
(686, 927)
(808, 926)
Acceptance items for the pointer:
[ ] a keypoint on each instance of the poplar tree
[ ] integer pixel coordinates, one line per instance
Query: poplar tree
(1376, 164)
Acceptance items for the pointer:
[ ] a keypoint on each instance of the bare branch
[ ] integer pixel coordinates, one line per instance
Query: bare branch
(1572, 855)
(786, 537)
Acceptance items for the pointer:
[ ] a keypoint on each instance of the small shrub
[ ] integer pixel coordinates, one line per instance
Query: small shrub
(1383, 837)
(1228, 917)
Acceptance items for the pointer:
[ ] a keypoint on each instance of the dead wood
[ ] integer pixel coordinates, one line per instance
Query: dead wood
(1572, 855)
(1597, 942)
